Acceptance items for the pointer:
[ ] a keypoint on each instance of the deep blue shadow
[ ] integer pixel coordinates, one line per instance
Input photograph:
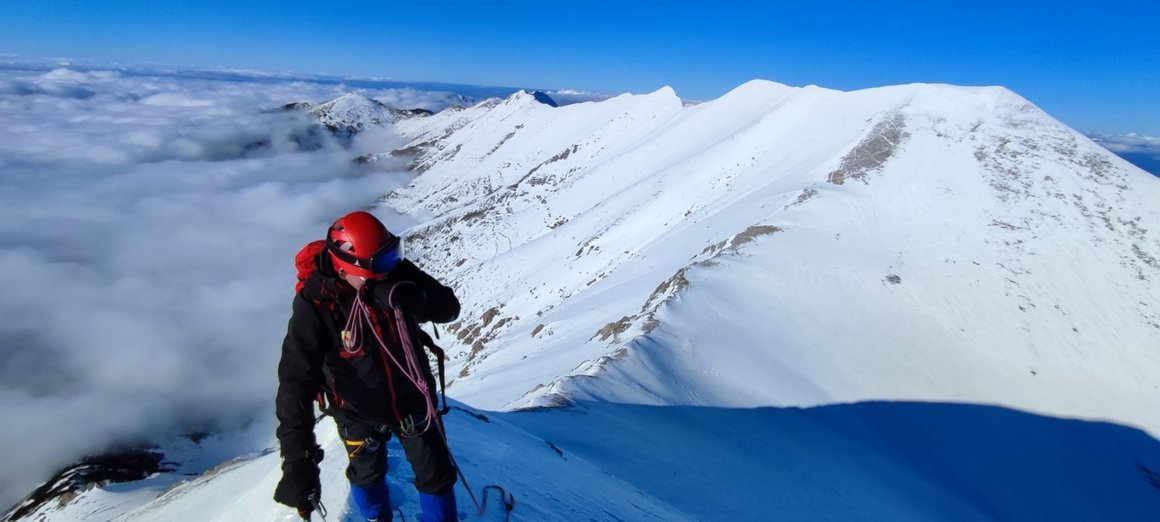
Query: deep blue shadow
(865, 461)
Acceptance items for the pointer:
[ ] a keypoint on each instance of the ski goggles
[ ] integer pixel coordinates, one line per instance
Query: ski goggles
(382, 261)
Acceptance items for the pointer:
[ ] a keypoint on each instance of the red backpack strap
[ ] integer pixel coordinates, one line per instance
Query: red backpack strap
(306, 263)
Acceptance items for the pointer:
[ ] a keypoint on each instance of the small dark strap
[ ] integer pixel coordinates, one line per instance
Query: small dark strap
(440, 356)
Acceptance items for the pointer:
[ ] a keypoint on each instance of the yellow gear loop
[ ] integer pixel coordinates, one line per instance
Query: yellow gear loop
(356, 444)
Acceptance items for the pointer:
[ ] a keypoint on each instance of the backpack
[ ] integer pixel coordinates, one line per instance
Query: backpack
(305, 262)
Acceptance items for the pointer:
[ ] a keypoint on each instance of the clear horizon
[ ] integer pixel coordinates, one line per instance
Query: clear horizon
(1093, 68)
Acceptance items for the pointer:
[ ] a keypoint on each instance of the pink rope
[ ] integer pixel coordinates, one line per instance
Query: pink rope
(360, 315)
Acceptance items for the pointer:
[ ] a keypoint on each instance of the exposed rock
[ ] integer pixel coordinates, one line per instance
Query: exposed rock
(122, 465)
(872, 152)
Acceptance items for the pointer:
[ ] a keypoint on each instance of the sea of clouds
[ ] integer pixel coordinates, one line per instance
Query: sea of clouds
(1143, 151)
(148, 224)
(1129, 143)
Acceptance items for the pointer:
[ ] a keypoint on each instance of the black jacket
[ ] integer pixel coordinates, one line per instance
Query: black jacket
(363, 385)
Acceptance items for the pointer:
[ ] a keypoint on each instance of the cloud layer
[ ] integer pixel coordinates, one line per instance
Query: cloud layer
(1129, 143)
(148, 225)
(1142, 151)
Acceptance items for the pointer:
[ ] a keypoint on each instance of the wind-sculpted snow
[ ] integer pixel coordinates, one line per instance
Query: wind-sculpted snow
(989, 254)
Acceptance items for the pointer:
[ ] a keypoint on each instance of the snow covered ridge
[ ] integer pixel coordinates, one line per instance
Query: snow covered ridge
(791, 246)
(353, 112)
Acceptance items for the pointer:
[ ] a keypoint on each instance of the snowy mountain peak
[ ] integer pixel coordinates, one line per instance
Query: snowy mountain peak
(665, 91)
(524, 96)
(353, 112)
(798, 220)
(762, 88)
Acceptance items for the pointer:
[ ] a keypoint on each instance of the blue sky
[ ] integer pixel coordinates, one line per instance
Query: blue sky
(1095, 67)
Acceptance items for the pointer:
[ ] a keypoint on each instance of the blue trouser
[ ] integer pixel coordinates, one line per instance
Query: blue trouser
(374, 502)
(430, 459)
(438, 508)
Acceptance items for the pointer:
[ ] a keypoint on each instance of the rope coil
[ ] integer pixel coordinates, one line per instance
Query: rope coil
(360, 316)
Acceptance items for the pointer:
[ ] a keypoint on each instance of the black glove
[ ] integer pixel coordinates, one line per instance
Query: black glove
(406, 296)
(300, 487)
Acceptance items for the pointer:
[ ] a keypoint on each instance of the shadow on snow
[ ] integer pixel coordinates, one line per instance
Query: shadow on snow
(864, 461)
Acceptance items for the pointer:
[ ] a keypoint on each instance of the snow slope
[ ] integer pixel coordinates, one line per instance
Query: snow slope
(606, 461)
(791, 246)
(866, 461)
(489, 451)
(790, 303)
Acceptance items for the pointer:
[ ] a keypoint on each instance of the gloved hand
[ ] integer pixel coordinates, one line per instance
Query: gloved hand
(300, 487)
(406, 296)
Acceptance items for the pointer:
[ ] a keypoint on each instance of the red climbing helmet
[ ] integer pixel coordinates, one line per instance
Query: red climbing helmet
(360, 245)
